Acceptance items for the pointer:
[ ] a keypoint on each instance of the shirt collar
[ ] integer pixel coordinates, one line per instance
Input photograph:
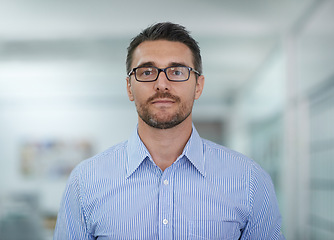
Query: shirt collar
(194, 151)
(137, 152)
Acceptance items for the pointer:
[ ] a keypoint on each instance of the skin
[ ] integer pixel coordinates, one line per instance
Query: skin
(164, 102)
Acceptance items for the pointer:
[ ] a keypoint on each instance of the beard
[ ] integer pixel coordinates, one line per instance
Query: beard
(164, 120)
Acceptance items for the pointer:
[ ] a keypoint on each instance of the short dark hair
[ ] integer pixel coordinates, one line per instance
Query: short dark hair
(166, 31)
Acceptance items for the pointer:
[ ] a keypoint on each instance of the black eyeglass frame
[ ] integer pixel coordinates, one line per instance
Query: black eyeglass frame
(163, 70)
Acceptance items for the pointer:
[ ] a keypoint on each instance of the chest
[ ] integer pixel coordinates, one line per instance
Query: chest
(170, 206)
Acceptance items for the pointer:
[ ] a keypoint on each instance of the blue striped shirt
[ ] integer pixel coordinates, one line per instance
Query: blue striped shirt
(209, 192)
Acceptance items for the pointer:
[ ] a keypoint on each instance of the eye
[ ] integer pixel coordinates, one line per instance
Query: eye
(145, 71)
(177, 71)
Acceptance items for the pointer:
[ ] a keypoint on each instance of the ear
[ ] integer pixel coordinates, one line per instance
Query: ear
(199, 86)
(129, 89)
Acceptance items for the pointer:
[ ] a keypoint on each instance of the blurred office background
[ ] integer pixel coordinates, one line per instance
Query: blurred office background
(269, 93)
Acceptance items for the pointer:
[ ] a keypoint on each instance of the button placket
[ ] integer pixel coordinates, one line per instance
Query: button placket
(166, 204)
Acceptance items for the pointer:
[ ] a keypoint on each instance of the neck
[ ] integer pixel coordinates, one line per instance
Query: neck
(165, 145)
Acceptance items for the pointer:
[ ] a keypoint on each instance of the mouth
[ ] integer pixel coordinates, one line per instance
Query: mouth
(163, 101)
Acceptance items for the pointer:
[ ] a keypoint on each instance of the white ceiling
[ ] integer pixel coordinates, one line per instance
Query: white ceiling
(55, 19)
(83, 43)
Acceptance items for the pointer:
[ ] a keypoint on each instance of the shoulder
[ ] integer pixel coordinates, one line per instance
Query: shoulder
(230, 162)
(107, 162)
(226, 156)
(238, 170)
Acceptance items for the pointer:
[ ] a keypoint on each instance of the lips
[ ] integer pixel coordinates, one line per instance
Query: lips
(164, 100)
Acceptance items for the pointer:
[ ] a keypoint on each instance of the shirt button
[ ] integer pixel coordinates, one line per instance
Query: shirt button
(166, 182)
(165, 221)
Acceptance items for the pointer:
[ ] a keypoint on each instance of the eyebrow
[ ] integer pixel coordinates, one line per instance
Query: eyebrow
(152, 64)
(146, 64)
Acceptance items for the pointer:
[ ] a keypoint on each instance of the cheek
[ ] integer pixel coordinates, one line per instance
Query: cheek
(190, 94)
(139, 97)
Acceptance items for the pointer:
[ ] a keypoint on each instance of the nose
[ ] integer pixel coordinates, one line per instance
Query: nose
(162, 83)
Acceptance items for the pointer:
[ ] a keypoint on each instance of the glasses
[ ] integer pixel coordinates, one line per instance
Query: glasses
(151, 74)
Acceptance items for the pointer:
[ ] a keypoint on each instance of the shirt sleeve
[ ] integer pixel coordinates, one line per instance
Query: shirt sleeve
(264, 220)
(71, 224)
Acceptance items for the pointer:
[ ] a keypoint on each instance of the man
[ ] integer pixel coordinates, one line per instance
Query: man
(166, 182)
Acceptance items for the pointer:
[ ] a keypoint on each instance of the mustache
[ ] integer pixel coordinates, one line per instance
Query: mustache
(163, 95)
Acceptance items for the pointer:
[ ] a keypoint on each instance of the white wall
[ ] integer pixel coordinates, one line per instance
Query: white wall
(58, 100)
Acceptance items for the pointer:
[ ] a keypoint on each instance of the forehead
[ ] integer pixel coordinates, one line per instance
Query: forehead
(162, 53)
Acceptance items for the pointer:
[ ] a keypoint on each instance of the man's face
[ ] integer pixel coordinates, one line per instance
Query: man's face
(163, 104)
